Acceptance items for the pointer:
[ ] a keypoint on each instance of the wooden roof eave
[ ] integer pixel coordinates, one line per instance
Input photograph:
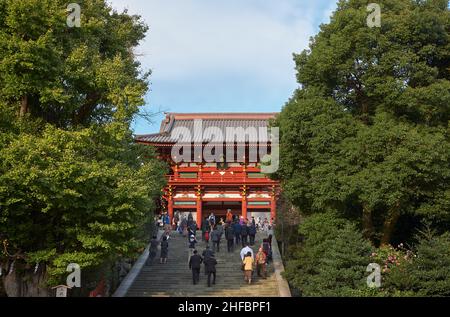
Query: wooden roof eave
(203, 144)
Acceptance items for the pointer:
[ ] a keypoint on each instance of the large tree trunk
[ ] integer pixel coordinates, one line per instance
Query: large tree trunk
(389, 224)
(82, 115)
(25, 284)
(2, 289)
(23, 106)
(367, 223)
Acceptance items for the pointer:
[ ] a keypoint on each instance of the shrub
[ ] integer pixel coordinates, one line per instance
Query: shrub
(332, 260)
(426, 272)
(430, 270)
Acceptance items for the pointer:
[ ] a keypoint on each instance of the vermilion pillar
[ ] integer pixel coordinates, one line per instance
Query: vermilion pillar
(244, 207)
(199, 212)
(170, 202)
(273, 208)
(273, 203)
(170, 207)
(175, 171)
(244, 201)
(199, 206)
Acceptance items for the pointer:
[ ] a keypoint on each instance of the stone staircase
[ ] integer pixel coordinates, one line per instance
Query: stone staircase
(174, 279)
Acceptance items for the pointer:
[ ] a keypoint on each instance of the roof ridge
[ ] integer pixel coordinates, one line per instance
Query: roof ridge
(222, 115)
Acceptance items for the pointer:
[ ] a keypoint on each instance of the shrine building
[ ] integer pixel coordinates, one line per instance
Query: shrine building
(215, 164)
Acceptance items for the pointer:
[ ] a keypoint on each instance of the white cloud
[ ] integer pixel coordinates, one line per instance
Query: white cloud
(223, 55)
(249, 39)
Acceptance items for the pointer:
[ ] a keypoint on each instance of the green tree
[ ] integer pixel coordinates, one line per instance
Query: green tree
(74, 187)
(70, 76)
(366, 135)
(401, 67)
(66, 199)
(332, 260)
(427, 273)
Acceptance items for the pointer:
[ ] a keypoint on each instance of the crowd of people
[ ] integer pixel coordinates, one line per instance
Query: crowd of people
(238, 233)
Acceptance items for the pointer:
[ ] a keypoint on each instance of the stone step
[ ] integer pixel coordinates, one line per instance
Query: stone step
(175, 278)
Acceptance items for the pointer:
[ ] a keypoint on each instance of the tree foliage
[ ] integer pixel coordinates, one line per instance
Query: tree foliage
(367, 134)
(427, 273)
(74, 187)
(365, 139)
(70, 76)
(70, 197)
(332, 260)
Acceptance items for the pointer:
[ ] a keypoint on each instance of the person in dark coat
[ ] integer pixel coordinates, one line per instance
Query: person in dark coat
(164, 249)
(229, 235)
(210, 269)
(153, 250)
(252, 233)
(192, 240)
(204, 227)
(207, 252)
(244, 234)
(215, 238)
(167, 222)
(219, 227)
(184, 227)
(212, 220)
(193, 227)
(237, 228)
(195, 263)
(190, 219)
(267, 250)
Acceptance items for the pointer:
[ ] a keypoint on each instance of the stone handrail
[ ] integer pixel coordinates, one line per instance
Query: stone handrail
(124, 286)
(283, 286)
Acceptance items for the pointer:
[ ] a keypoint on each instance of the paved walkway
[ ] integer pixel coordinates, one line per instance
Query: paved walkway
(175, 277)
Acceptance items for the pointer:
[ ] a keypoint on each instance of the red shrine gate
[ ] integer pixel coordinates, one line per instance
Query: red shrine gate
(201, 187)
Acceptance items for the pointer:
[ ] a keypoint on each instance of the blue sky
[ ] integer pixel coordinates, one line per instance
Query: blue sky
(222, 56)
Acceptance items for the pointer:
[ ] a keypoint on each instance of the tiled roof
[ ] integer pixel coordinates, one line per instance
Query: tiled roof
(208, 127)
